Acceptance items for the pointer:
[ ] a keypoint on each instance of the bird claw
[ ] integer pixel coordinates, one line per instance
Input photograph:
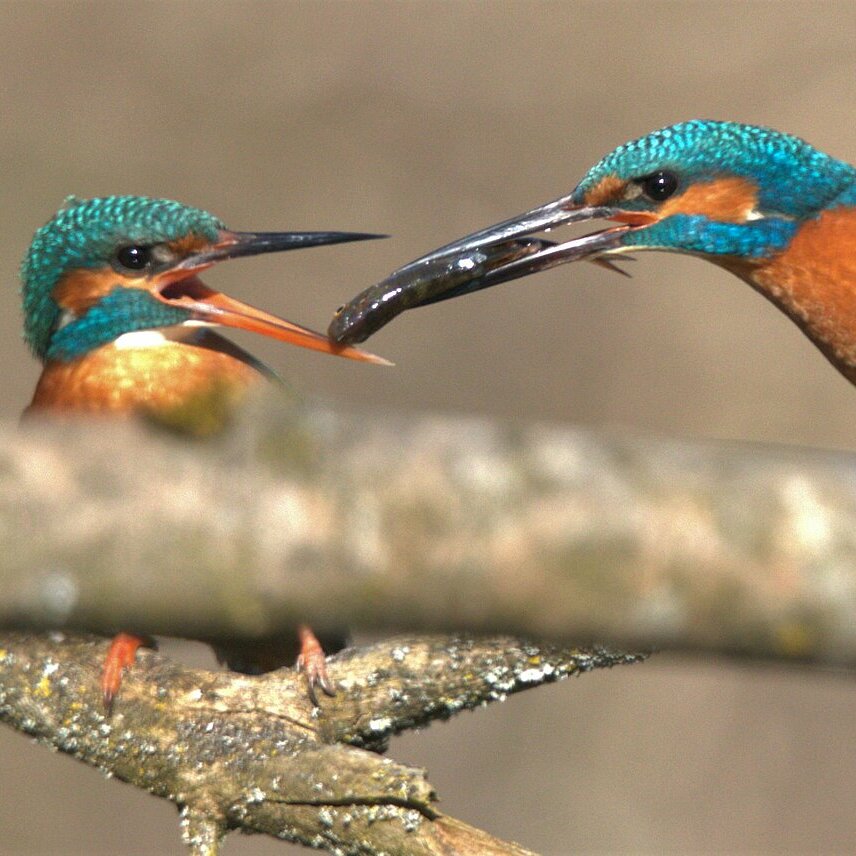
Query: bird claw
(313, 663)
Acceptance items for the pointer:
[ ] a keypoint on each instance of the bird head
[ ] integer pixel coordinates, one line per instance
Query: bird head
(721, 190)
(722, 170)
(107, 266)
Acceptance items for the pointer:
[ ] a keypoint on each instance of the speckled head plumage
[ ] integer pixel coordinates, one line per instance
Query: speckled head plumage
(104, 267)
(792, 177)
(86, 233)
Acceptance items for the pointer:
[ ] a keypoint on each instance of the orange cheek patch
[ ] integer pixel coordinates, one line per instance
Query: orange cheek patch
(728, 200)
(81, 289)
(608, 190)
(188, 244)
(635, 218)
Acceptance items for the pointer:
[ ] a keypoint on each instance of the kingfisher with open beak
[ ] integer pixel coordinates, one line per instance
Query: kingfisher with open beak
(115, 310)
(764, 205)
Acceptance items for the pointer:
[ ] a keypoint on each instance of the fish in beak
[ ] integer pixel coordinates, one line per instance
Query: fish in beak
(500, 253)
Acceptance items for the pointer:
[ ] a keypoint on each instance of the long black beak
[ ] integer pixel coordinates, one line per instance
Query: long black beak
(500, 253)
(233, 245)
(178, 285)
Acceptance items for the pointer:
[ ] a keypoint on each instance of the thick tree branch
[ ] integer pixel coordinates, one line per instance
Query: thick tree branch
(234, 751)
(434, 524)
(439, 524)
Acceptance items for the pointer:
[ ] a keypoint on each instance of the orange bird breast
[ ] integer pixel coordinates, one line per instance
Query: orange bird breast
(814, 282)
(162, 376)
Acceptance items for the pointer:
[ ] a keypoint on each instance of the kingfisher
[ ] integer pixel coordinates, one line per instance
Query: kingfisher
(764, 205)
(116, 312)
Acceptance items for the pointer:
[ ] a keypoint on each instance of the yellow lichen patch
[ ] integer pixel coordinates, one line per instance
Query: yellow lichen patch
(43, 688)
(729, 200)
(3, 653)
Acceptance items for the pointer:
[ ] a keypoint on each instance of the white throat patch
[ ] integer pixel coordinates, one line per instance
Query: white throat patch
(157, 338)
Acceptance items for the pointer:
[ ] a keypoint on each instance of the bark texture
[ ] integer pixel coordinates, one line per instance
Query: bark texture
(252, 753)
(434, 524)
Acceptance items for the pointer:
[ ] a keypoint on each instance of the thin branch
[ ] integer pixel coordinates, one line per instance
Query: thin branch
(430, 524)
(251, 753)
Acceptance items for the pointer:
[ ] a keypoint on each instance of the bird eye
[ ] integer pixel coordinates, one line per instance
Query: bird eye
(659, 185)
(134, 257)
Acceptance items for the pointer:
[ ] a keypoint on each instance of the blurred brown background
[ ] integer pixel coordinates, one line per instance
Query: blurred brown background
(427, 120)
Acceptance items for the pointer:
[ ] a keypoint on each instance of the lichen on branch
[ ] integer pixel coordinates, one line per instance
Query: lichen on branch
(234, 751)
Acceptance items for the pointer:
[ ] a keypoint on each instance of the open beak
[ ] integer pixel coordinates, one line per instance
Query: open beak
(179, 286)
(500, 253)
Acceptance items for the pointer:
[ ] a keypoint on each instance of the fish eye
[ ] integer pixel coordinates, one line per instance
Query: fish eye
(659, 185)
(134, 257)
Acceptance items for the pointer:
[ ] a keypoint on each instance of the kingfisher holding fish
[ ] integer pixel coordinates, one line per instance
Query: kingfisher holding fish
(764, 205)
(116, 312)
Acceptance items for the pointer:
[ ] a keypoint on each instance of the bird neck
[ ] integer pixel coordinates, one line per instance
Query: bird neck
(192, 374)
(813, 280)
(120, 310)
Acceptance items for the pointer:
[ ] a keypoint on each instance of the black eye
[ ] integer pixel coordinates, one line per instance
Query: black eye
(659, 185)
(134, 257)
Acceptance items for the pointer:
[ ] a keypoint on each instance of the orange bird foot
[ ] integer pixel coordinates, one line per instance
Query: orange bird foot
(121, 654)
(313, 663)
